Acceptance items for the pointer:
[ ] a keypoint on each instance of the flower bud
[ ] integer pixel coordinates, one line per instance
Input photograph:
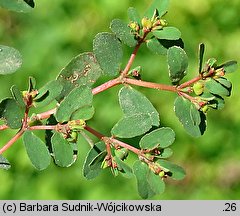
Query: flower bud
(146, 23)
(134, 26)
(198, 88)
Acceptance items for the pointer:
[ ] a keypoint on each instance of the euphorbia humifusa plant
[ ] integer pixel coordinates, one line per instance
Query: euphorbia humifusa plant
(73, 91)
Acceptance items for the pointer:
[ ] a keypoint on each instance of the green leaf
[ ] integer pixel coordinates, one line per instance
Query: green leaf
(167, 33)
(11, 112)
(177, 63)
(176, 172)
(133, 102)
(155, 182)
(161, 47)
(17, 95)
(84, 113)
(123, 32)
(36, 150)
(141, 171)
(48, 93)
(4, 163)
(226, 83)
(132, 126)
(200, 56)
(10, 60)
(124, 169)
(96, 150)
(79, 97)
(230, 66)
(62, 151)
(133, 15)
(160, 5)
(217, 88)
(149, 184)
(108, 51)
(161, 137)
(81, 70)
(189, 118)
(16, 5)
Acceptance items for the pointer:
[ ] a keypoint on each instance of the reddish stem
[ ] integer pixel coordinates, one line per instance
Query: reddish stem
(125, 145)
(115, 141)
(190, 82)
(106, 86)
(150, 85)
(45, 115)
(133, 55)
(94, 132)
(12, 141)
(42, 127)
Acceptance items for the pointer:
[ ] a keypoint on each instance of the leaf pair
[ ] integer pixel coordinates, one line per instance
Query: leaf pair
(139, 114)
(39, 155)
(149, 183)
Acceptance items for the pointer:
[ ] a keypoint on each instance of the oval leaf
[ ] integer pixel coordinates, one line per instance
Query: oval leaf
(133, 102)
(177, 63)
(77, 98)
(141, 171)
(36, 150)
(162, 137)
(123, 32)
(4, 164)
(177, 172)
(155, 182)
(132, 126)
(62, 151)
(167, 33)
(188, 117)
(10, 60)
(11, 112)
(95, 170)
(224, 82)
(81, 70)
(108, 51)
(217, 88)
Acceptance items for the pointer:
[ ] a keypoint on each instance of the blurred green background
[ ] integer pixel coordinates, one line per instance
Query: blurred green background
(57, 30)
